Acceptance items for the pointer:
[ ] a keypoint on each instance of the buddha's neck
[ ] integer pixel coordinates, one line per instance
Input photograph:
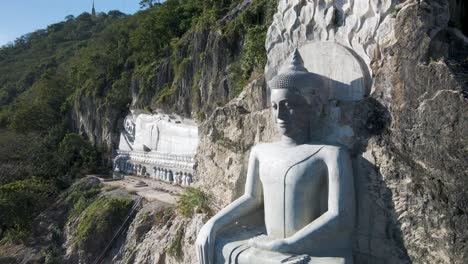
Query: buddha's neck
(294, 140)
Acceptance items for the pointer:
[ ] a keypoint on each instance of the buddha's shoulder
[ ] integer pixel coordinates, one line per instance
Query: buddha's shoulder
(266, 147)
(332, 149)
(261, 147)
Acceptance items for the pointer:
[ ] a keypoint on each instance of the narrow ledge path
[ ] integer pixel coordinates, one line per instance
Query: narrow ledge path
(149, 189)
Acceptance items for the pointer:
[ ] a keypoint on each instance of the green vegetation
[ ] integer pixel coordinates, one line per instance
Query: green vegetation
(102, 218)
(149, 3)
(52, 255)
(167, 91)
(79, 197)
(252, 26)
(193, 200)
(175, 247)
(163, 216)
(40, 155)
(196, 97)
(20, 201)
(393, 11)
(110, 188)
(199, 116)
(15, 162)
(181, 68)
(45, 74)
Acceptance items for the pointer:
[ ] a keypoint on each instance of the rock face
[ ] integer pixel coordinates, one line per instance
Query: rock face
(98, 123)
(411, 150)
(158, 235)
(421, 157)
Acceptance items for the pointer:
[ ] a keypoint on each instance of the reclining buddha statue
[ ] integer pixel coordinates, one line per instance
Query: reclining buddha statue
(299, 203)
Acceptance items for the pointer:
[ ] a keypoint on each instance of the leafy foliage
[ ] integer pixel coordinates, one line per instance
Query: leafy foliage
(43, 74)
(175, 247)
(102, 217)
(193, 200)
(148, 3)
(39, 79)
(20, 201)
(164, 216)
(166, 91)
(252, 26)
(79, 197)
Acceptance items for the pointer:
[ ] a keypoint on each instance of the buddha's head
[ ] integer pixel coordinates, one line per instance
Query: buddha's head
(296, 97)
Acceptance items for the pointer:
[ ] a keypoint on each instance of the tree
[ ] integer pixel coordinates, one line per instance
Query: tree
(20, 201)
(149, 3)
(116, 14)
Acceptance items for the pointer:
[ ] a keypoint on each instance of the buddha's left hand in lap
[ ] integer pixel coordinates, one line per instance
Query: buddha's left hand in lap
(263, 242)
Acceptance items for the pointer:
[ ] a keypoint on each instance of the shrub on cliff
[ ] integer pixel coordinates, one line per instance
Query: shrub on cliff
(80, 195)
(193, 201)
(100, 221)
(20, 202)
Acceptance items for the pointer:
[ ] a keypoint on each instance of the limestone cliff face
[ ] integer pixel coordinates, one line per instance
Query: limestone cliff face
(411, 153)
(422, 154)
(100, 124)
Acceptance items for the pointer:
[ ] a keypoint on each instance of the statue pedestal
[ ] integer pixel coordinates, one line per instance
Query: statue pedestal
(232, 247)
(235, 249)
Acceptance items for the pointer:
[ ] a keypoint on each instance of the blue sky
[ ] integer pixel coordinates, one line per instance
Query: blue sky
(18, 17)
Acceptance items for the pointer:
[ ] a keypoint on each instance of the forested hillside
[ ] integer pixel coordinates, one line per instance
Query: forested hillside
(115, 61)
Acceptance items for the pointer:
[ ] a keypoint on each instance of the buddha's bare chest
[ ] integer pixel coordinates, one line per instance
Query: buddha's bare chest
(290, 167)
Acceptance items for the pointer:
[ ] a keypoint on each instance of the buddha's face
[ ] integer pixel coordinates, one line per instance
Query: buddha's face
(290, 112)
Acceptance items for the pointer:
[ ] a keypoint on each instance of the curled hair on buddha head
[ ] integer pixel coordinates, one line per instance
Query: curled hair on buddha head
(296, 78)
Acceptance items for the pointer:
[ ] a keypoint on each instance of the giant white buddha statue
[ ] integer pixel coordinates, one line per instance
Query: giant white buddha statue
(299, 202)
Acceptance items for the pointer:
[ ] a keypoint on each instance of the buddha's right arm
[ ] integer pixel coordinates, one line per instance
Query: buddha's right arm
(248, 202)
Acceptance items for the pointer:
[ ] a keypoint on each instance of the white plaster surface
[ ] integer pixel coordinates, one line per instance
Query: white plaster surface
(362, 26)
(346, 76)
(162, 134)
(157, 146)
(347, 81)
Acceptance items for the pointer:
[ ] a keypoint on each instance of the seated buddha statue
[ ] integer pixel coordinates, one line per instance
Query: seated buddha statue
(299, 203)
